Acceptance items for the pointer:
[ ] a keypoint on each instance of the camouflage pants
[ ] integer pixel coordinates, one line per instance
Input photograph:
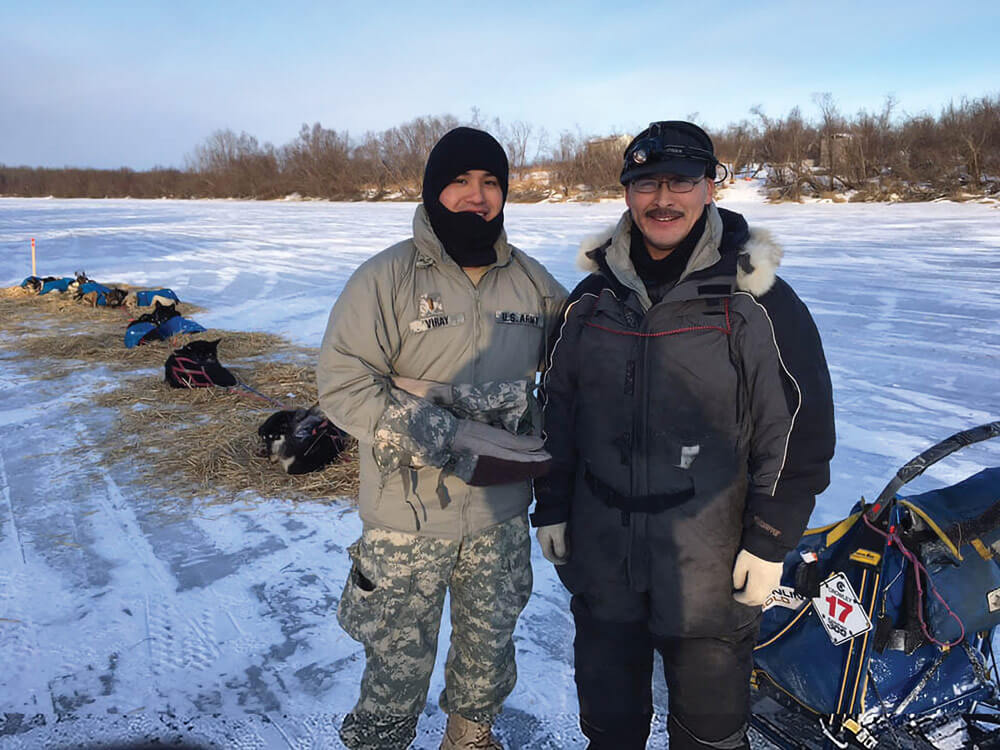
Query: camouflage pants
(392, 604)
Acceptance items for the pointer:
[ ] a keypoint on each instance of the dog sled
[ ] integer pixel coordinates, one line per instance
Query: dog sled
(881, 634)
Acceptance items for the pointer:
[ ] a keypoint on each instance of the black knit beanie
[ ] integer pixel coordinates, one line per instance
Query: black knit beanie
(466, 236)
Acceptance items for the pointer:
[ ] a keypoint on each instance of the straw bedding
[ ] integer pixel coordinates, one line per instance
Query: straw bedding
(199, 443)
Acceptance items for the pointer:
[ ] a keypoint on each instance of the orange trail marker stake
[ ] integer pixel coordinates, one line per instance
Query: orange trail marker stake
(33, 257)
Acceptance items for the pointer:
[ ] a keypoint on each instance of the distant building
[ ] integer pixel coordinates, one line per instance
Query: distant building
(615, 142)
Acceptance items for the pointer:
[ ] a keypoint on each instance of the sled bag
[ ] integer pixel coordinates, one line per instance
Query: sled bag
(962, 560)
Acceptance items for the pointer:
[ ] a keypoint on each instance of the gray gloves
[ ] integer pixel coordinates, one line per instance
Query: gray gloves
(754, 579)
(552, 540)
(444, 426)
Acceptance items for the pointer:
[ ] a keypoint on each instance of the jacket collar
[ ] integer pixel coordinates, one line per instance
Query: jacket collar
(431, 252)
(757, 254)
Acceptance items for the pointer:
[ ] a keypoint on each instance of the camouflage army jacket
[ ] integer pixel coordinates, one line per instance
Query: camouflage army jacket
(411, 311)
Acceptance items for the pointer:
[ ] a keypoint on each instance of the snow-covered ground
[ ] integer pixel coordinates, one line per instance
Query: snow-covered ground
(119, 623)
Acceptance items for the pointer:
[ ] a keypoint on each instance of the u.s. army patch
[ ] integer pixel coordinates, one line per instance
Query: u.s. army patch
(519, 318)
(436, 321)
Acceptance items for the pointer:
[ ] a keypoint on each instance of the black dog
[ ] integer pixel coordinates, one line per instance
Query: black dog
(196, 365)
(302, 440)
(161, 314)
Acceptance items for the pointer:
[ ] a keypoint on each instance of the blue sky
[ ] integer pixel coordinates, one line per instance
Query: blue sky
(138, 84)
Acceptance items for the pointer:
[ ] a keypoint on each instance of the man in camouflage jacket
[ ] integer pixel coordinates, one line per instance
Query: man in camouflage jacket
(429, 359)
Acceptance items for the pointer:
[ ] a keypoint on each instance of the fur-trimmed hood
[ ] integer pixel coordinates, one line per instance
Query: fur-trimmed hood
(757, 262)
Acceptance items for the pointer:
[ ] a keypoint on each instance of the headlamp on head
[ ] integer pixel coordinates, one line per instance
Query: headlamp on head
(670, 147)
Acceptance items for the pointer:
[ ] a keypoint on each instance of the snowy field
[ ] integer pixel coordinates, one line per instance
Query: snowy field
(118, 625)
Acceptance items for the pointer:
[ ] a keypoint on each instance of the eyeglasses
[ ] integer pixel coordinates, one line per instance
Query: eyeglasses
(674, 184)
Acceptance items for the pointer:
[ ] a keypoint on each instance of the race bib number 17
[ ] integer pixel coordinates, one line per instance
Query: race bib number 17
(840, 611)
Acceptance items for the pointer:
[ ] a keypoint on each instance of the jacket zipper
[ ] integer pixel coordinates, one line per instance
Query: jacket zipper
(640, 480)
(637, 442)
(476, 349)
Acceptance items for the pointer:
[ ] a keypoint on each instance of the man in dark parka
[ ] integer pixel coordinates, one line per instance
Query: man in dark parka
(690, 419)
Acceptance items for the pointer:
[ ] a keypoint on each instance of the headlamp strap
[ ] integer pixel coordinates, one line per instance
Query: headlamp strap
(653, 150)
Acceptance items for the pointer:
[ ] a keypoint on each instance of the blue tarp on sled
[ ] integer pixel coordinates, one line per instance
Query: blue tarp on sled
(925, 571)
(796, 654)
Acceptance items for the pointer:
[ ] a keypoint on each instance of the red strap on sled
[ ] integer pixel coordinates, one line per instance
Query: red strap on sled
(893, 537)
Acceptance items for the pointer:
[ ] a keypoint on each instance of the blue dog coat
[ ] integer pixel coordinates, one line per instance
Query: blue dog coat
(138, 333)
(145, 297)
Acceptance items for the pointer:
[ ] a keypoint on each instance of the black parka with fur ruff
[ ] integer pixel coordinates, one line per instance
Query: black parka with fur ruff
(684, 431)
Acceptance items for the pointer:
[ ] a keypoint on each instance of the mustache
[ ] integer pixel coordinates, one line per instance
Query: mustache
(663, 213)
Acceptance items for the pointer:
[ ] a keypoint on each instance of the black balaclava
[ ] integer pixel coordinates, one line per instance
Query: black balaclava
(661, 275)
(466, 237)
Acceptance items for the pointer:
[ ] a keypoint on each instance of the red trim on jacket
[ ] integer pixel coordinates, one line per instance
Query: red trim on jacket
(727, 330)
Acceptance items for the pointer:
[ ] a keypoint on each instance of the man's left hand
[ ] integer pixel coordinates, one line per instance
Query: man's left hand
(754, 579)
(552, 540)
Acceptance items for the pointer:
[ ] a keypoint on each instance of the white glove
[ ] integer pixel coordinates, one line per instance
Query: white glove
(437, 393)
(754, 579)
(553, 542)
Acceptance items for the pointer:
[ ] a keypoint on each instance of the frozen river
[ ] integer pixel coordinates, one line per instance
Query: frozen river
(221, 629)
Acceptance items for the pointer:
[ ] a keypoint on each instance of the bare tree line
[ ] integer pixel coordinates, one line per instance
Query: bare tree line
(870, 156)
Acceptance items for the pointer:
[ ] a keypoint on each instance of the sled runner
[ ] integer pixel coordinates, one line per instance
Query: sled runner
(881, 633)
